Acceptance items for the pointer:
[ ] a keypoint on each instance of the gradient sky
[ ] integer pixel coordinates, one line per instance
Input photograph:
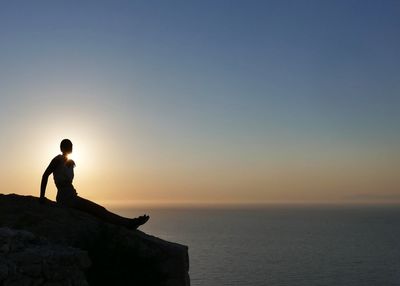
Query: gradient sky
(204, 101)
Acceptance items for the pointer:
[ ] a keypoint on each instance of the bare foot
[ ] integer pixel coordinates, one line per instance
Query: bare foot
(138, 221)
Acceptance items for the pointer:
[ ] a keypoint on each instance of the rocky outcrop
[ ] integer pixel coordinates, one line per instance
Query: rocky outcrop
(28, 260)
(63, 237)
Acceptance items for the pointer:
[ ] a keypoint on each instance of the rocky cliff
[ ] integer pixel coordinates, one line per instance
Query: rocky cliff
(51, 245)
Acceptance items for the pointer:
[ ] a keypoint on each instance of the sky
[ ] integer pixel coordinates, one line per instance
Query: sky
(195, 102)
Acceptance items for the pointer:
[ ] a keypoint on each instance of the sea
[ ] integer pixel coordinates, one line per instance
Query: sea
(284, 245)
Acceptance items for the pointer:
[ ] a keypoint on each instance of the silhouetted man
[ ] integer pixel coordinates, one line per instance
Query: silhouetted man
(62, 169)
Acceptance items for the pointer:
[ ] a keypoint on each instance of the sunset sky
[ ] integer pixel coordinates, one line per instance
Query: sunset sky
(203, 101)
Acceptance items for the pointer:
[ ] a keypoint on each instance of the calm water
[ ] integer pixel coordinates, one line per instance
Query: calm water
(285, 245)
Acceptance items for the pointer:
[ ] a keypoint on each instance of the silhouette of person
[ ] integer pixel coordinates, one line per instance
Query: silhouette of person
(62, 169)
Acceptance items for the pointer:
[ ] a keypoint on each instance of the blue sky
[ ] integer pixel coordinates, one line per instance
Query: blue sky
(241, 85)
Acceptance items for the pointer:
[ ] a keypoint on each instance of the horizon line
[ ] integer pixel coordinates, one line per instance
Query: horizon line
(248, 204)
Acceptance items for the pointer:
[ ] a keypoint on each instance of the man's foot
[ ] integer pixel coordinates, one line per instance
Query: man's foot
(138, 221)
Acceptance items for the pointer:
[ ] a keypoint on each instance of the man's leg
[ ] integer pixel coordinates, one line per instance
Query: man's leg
(105, 215)
(99, 211)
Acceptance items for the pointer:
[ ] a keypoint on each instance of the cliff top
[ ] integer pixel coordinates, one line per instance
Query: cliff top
(118, 255)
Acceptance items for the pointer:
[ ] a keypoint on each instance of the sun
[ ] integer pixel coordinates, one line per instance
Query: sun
(73, 156)
(76, 155)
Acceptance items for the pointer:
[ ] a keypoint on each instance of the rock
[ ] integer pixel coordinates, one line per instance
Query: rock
(29, 256)
(52, 241)
(3, 270)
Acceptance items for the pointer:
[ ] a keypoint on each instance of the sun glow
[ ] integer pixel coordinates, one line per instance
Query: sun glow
(80, 154)
(74, 156)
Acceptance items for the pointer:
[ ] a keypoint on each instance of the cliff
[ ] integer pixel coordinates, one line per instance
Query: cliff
(51, 245)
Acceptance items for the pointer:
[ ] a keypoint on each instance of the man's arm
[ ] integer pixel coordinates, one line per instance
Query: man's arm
(50, 169)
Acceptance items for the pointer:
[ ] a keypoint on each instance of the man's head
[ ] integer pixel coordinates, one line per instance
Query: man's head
(66, 146)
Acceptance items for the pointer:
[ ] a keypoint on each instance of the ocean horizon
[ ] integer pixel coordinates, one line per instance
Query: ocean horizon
(283, 244)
